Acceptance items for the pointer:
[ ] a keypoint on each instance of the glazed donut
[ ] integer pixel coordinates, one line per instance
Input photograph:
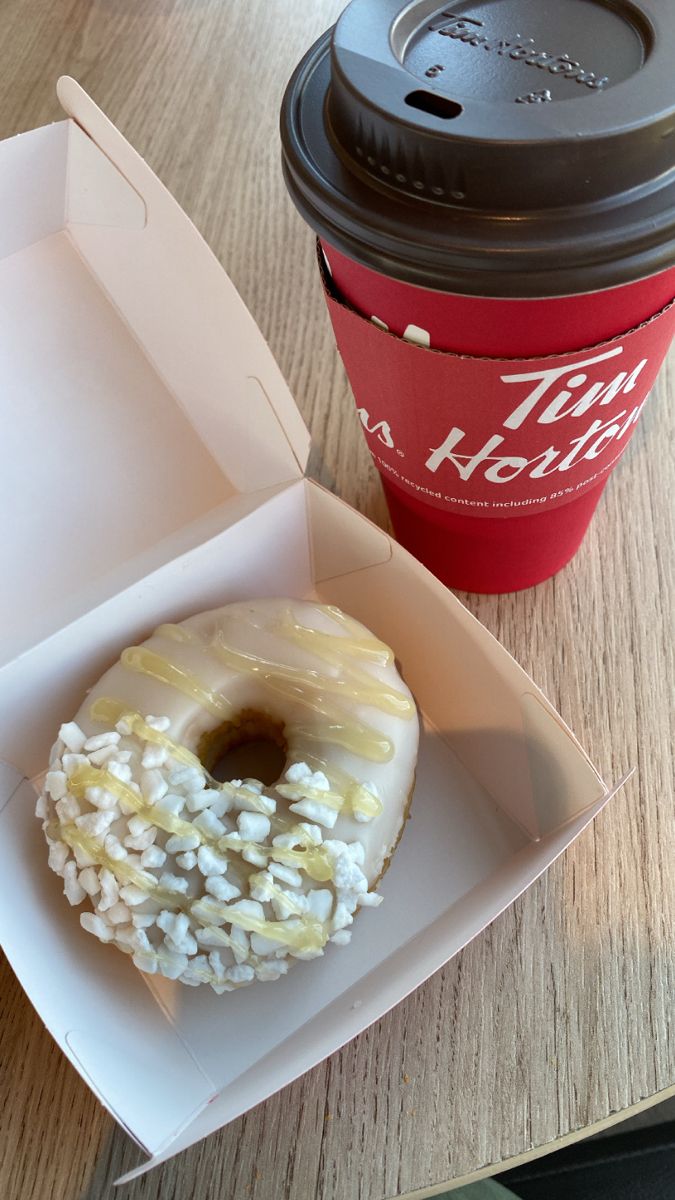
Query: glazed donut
(227, 882)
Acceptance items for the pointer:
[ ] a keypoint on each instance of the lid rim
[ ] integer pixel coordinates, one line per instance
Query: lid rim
(603, 241)
(477, 274)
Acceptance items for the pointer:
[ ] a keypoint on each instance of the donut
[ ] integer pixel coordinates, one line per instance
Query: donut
(227, 882)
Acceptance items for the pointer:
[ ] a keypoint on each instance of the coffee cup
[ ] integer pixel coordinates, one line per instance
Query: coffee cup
(493, 187)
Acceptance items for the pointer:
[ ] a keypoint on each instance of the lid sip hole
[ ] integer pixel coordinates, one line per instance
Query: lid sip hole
(434, 105)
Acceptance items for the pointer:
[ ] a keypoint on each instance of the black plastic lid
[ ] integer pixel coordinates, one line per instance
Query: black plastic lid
(505, 148)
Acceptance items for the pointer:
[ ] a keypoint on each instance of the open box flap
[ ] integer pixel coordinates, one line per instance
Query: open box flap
(138, 398)
(200, 336)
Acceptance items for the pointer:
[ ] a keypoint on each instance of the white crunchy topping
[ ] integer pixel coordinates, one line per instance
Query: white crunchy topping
(95, 823)
(187, 861)
(71, 886)
(142, 841)
(209, 824)
(100, 740)
(171, 804)
(72, 737)
(67, 809)
(100, 797)
(70, 763)
(96, 925)
(154, 856)
(253, 827)
(320, 903)
(203, 799)
(304, 788)
(221, 888)
(137, 825)
(341, 938)
(133, 895)
(105, 754)
(154, 756)
(143, 920)
(312, 832)
(58, 856)
(158, 849)
(189, 778)
(178, 844)
(153, 786)
(89, 880)
(173, 883)
(161, 724)
(109, 890)
(210, 862)
(114, 849)
(286, 874)
(118, 913)
(56, 784)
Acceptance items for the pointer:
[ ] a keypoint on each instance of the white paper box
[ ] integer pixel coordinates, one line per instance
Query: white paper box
(152, 467)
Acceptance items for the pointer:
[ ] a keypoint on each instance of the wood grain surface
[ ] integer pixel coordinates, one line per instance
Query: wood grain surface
(561, 1012)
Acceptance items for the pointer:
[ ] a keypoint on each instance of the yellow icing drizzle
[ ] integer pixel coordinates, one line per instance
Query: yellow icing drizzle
(176, 633)
(303, 936)
(351, 684)
(332, 649)
(312, 859)
(309, 934)
(357, 797)
(352, 626)
(348, 793)
(111, 711)
(365, 745)
(124, 874)
(130, 801)
(147, 662)
(273, 892)
(300, 791)
(312, 689)
(366, 803)
(305, 687)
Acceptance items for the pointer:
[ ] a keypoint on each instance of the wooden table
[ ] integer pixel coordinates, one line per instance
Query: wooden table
(557, 1016)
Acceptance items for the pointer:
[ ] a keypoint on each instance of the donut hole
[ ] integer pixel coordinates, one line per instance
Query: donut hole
(251, 745)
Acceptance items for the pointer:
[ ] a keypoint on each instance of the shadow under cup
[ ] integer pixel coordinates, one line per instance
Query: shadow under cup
(406, 360)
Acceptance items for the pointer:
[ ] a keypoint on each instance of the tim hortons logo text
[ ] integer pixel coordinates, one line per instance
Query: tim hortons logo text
(473, 33)
(550, 395)
(381, 428)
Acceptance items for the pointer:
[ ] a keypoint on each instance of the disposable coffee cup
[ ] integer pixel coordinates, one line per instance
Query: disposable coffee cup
(493, 187)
